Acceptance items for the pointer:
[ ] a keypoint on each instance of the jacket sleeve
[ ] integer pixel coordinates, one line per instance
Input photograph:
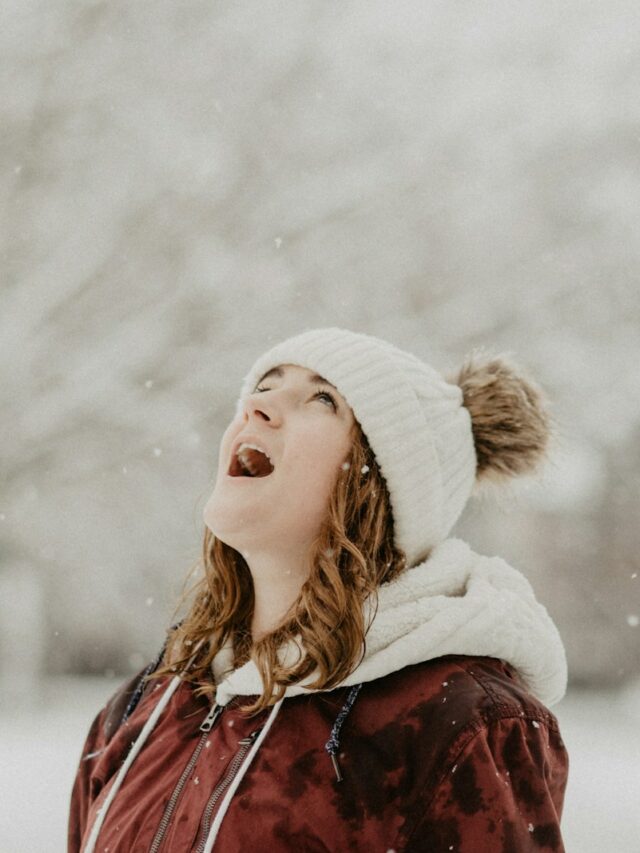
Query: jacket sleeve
(93, 771)
(83, 791)
(502, 792)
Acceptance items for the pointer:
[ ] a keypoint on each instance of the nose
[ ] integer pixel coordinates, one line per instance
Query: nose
(263, 410)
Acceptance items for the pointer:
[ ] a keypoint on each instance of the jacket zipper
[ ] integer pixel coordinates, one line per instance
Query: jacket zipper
(205, 728)
(221, 787)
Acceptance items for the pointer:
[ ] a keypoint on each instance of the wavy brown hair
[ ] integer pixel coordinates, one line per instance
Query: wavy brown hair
(353, 554)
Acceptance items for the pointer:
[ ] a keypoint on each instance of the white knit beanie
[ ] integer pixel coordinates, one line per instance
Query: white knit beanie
(414, 421)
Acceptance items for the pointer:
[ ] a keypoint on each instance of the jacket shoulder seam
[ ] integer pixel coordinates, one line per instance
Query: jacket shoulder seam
(501, 709)
(504, 711)
(481, 683)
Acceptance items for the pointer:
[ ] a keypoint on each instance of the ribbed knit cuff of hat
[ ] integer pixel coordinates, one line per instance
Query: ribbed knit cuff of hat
(414, 421)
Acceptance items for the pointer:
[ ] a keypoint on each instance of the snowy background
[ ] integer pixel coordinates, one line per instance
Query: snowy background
(183, 185)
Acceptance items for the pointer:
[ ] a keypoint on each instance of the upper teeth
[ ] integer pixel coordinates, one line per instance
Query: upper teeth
(246, 446)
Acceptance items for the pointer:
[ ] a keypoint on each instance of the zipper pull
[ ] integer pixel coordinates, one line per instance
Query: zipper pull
(246, 741)
(212, 716)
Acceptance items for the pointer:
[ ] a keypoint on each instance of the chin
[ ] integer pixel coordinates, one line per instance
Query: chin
(217, 523)
(228, 525)
(223, 535)
(214, 518)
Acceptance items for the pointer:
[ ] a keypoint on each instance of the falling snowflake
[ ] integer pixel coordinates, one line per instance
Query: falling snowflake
(633, 620)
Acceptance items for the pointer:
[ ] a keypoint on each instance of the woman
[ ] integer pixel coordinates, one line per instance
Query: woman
(346, 677)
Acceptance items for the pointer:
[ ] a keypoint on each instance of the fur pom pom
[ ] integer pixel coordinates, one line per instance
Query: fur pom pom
(511, 426)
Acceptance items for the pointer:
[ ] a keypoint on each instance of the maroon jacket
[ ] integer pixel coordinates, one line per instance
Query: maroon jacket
(448, 755)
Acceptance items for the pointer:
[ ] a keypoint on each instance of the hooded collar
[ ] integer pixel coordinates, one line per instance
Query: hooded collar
(455, 602)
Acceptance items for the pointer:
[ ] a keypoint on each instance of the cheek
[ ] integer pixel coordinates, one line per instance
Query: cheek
(322, 465)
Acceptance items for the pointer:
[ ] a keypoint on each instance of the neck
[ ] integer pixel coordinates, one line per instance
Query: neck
(277, 581)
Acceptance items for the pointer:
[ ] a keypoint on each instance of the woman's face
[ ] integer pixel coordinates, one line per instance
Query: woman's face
(304, 426)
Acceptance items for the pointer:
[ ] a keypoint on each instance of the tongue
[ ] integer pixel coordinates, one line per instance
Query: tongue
(256, 464)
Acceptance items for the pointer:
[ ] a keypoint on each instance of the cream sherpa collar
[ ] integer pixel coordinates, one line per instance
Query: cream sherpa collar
(455, 602)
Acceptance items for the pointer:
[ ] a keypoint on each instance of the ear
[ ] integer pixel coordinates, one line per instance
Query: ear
(510, 422)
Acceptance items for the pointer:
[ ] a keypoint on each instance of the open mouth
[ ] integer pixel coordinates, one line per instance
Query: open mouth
(250, 461)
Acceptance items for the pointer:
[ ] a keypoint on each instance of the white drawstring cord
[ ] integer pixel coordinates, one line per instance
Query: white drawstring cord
(224, 805)
(133, 752)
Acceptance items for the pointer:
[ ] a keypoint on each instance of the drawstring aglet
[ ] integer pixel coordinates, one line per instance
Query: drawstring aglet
(333, 744)
(336, 766)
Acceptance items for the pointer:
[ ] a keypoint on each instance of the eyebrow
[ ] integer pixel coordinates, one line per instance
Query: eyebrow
(278, 371)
